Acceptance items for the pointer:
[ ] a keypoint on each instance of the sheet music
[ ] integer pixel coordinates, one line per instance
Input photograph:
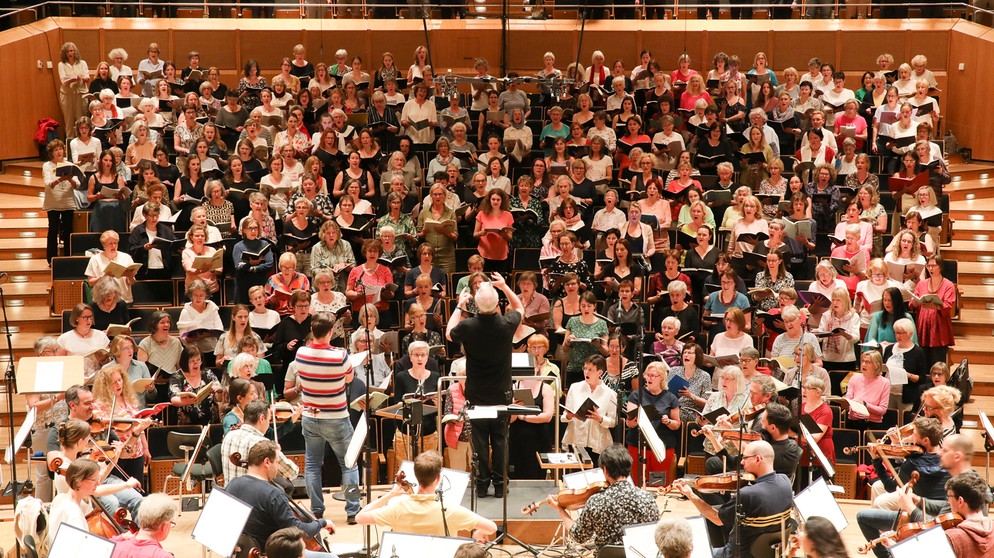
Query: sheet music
(898, 376)
(406, 545)
(580, 479)
(639, 541)
(221, 522)
(702, 541)
(355, 446)
(988, 427)
(818, 500)
(73, 542)
(453, 484)
(652, 439)
(48, 376)
(22, 434)
(931, 542)
(482, 412)
(825, 463)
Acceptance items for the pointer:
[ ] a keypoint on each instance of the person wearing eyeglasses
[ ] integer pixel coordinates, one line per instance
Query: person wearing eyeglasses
(763, 503)
(974, 537)
(156, 519)
(72, 507)
(955, 456)
(941, 401)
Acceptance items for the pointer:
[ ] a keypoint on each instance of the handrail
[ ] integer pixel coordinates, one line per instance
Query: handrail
(473, 9)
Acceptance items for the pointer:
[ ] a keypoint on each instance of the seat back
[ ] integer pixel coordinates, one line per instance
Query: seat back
(214, 457)
(178, 441)
(611, 551)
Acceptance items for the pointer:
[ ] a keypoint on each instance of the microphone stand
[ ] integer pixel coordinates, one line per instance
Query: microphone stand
(739, 512)
(367, 451)
(642, 473)
(441, 503)
(10, 385)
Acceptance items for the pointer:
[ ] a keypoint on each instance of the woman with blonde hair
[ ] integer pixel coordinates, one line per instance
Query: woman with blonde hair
(112, 392)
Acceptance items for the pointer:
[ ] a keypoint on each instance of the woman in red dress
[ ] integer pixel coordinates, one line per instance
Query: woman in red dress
(935, 319)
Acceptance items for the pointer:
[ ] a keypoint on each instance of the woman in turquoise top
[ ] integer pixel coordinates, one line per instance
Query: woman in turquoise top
(881, 328)
(585, 326)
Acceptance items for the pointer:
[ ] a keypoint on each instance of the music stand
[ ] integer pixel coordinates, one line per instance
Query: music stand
(407, 545)
(73, 542)
(507, 411)
(221, 522)
(988, 440)
(930, 542)
(817, 499)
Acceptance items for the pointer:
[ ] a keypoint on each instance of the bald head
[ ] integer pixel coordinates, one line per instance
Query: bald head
(758, 458)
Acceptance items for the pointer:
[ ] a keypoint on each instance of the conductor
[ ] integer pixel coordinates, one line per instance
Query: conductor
(486, 339)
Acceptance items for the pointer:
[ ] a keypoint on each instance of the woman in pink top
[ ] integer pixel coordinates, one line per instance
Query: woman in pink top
(683, 73)
(871, 388)
(695, 90)
(493, 229)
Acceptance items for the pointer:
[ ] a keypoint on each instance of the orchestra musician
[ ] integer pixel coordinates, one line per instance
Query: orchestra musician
(606, 513)
(155, 522)
(955, 455)
(240, 440)
(72, 507)
(761, 390)
(766, 503)
(974, 537)
(926, 433)
(112, 493)
(271, 509)
(420, 512)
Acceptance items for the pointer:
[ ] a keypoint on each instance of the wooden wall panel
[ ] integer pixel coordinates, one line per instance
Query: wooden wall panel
(226, 43)
(215, 48)
(795, 48)
(970, 120)
(36, 94)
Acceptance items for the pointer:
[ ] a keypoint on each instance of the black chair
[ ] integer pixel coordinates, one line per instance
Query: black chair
(845, 438)
(526, 259)
(153, 293)
(214, 459)
(182, 445)
(79, 243)
(890, 419)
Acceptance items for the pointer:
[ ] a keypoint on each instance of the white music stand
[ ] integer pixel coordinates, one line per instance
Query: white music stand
(989, 432)
(930, 542)
(221, 522)
(49, 374)
(406, 545)
(73, 542)
(818, 500)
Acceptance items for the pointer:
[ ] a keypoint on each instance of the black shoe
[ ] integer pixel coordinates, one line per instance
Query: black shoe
(498, 491)
(481, 491)
(351, 520)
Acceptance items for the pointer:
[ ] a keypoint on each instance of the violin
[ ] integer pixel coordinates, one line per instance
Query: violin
(889, 450)
(708, 484)
(889, 538)
(282, 412)
(732, 434)
(568, 498)
(101, 453)
(401, 480)
(748, 413)
(58, 465)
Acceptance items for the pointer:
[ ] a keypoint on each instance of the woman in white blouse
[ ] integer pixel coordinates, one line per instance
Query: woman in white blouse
(82, 339)
(593, 431)
(200, 313)
(419, 116)
(74, 76)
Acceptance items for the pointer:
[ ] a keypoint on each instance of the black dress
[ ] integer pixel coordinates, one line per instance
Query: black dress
(526, 439)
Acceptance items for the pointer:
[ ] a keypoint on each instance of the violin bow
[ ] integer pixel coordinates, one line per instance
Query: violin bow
(113, 462)
(887, 464)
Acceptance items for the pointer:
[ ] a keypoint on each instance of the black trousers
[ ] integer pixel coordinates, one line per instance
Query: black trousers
(488, 436)
(59, 227)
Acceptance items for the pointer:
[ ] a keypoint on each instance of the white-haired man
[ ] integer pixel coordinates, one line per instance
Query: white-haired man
(487, 339)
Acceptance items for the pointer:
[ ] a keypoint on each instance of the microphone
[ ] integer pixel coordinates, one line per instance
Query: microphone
(4, 278)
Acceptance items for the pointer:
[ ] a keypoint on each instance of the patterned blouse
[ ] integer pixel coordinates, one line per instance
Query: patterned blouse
(529, 232)
(763, 281)
(202, 413)
(607, 513)
(700, 386)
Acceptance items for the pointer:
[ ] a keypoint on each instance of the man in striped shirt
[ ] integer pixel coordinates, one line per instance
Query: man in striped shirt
(322, 369)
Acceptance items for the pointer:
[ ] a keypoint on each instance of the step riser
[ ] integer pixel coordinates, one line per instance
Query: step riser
(12, 254)
(977, 357)
(983, 389)
(22, 213)
(20, 189)
(965, 328)
(34, 232)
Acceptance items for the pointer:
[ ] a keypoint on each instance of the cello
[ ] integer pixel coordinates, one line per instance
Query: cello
(99, 521)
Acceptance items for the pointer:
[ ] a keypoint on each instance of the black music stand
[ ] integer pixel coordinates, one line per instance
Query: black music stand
(507, 411)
